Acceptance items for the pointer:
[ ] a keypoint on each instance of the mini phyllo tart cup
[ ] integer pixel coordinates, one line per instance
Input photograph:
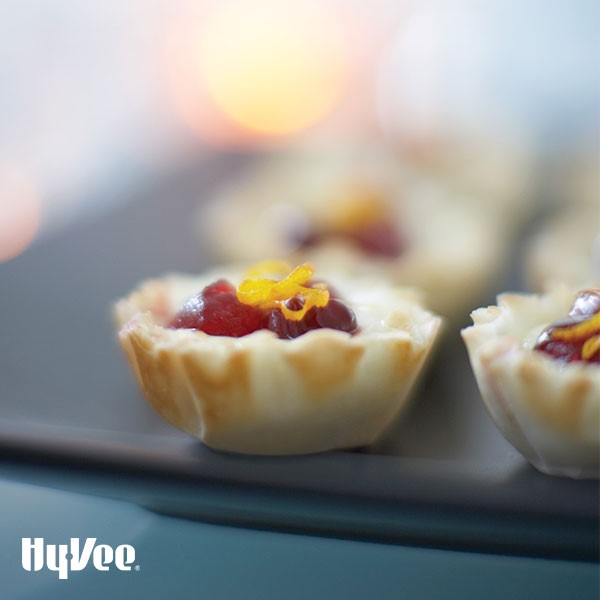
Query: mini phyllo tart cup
(262, 394)
(526, 355)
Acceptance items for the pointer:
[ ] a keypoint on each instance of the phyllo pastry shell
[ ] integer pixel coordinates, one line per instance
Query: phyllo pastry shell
(548, 409)
(260, 394)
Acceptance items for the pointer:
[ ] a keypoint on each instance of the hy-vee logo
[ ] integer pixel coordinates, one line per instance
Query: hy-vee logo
(63, 558)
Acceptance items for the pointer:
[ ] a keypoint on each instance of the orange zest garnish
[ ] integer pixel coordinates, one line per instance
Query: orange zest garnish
(355, 206)
(582, 331)
(588, 330)
(273, 293)
(590, 348)
(576, 337)
(268, 267)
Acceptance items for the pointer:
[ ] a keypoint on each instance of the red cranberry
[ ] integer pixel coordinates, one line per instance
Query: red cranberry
(289, 329)
(218, 287)
(217, 311)
(559, 350)
(336, 315)
(380, 239)
(295, 303)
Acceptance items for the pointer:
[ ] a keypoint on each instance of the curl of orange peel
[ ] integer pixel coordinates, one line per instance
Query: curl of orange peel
(355, 206)
(256, 290)
(588, 330)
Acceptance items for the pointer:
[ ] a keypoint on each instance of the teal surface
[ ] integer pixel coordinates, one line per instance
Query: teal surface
(180, 558)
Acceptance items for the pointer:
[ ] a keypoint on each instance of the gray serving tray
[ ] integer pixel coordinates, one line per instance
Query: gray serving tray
(71, 415)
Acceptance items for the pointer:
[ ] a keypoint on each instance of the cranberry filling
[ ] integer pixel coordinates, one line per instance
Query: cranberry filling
(570, 339)
(377, 239)
(381, 238)
(217, 311)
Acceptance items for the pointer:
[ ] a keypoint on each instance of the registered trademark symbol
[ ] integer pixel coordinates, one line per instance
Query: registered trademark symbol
(137, 567)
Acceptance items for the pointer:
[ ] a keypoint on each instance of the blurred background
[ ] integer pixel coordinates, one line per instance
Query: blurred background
(99, 97)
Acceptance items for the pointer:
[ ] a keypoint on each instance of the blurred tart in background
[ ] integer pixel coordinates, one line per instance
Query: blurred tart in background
(359, 210)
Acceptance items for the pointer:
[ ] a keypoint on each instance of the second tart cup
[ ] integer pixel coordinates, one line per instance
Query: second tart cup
(549, 411)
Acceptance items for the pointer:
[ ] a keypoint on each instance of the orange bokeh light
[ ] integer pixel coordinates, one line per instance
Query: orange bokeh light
(258, 69)
(20, 210)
